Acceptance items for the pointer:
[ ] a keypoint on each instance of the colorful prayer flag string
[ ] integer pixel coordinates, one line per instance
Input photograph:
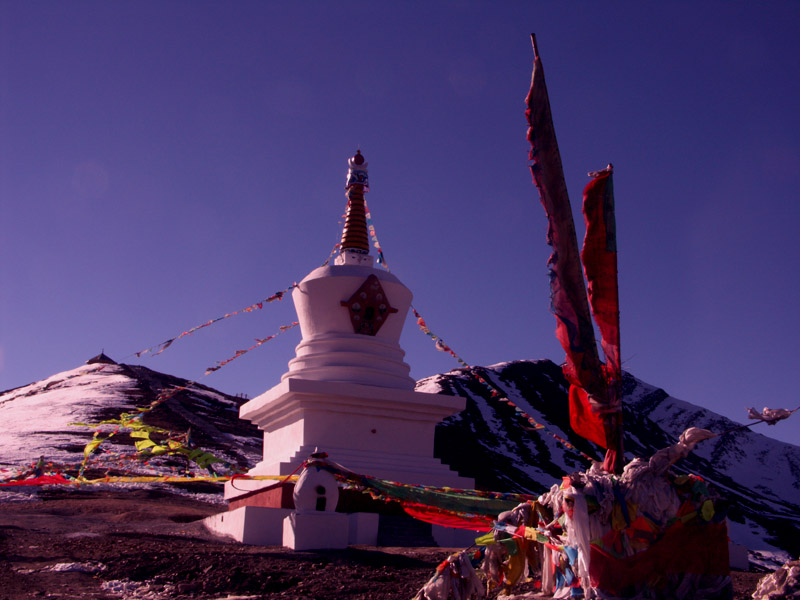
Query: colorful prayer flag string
(258, 343)
(253, 307)
(373, 235)
(440, 345)
(471, 509)
(494, 393)
(335, 249)
(61, 478)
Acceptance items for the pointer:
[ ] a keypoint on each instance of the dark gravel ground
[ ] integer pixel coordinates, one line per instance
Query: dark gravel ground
(150, 545)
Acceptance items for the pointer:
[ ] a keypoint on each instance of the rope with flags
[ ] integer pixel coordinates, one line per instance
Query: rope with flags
(54, 475)
(335, 248)
(259, 342)
(374, 236)
(253, 307)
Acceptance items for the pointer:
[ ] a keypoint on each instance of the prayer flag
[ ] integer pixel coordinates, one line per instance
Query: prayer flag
(599, 256)
(583, 421)
(567, 289)
(569, 302)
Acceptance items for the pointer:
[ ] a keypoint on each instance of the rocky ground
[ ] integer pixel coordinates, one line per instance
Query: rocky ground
(149, 544)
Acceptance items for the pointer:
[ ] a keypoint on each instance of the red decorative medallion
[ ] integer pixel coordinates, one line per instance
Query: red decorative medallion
(369, 307)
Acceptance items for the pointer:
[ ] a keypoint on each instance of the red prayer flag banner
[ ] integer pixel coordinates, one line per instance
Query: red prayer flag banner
(570, 304)
(599, 256)
(584, 422)
(41, 480)
(436, 516)
(567, 289)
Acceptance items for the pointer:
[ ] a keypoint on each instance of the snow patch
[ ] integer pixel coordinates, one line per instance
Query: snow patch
(137, 590)
(87, 567)
(28, 495)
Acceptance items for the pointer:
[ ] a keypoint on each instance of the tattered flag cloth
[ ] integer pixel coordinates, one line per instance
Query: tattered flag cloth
(783, 583)
(692, 540)
(771, 415)
(583, 421)
(645, 533)
(446, 518)
(454, 578)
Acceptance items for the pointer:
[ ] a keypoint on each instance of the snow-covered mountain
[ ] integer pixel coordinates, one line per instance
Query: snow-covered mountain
(488, 440)
(35, 419)
(759, 476)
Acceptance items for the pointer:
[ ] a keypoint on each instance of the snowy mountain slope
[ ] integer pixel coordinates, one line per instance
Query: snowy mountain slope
(35, 419)
(488, 442)
(759, 476)
(738, 452)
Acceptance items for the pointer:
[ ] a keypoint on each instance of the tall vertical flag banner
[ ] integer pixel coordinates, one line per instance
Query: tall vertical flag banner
(599, 257)
(569, 302)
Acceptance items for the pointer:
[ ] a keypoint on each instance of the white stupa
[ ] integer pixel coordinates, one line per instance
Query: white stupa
(348, 391)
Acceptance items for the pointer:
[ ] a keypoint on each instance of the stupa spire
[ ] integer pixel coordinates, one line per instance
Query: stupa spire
(355, 235)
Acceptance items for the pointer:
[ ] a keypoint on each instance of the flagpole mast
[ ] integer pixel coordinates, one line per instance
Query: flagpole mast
(616, 422)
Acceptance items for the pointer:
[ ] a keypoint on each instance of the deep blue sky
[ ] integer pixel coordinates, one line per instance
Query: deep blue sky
(162, 164)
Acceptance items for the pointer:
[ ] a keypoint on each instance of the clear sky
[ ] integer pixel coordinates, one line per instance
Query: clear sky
(165, 163)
